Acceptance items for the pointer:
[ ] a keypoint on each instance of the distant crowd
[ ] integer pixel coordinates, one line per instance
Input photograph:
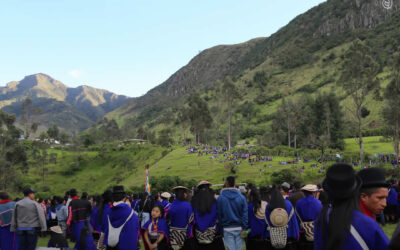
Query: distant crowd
(341, 213)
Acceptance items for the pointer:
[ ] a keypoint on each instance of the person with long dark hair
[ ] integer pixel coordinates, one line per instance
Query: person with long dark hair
(101, 218)
(341, 225)
(279, 214)
(257, 225)
(204, 204)
(180, 218)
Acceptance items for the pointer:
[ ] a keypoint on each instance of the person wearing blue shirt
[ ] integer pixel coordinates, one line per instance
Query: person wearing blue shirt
(207, 232)
(277, 201)
(180, 216)
(391, 208)
(341, 225)
(257, 225)
(121, 215)
(307, 211)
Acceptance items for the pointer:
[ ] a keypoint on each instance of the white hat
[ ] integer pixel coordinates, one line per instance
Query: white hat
(56, 229)
(166, 195)
(203, 183)
(310, 188)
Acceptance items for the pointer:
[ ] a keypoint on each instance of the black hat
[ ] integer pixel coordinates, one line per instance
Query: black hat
(373, 177)
(27, 191)
(73, 192)
(341, 181)
(118, 190)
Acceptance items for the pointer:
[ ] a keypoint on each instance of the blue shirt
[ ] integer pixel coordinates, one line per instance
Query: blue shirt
(258, 226)
(179, 215)
(368, 229)
(308, 208)
(204, 221)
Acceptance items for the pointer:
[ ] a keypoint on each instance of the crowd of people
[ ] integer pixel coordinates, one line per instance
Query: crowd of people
(341, 213)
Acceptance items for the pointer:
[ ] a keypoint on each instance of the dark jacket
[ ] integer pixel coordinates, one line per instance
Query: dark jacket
(232, 209)
(79, 210)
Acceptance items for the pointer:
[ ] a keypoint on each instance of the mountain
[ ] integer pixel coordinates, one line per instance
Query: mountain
(303, 57)
(72, 109)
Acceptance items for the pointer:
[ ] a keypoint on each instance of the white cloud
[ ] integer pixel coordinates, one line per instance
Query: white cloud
(75, 73)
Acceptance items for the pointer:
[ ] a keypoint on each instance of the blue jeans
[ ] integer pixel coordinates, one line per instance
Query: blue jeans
(232, 240)
(27, 240)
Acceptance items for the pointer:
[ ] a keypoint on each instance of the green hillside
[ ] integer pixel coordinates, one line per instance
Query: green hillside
(98, 167)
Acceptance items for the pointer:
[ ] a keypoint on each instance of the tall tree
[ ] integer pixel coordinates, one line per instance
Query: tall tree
(11, 152)
(391, 109)
(358, 80)
(198, 115)
(229, 95)
(28, 113)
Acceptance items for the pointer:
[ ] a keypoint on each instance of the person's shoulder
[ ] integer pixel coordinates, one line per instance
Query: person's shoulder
(361, 220)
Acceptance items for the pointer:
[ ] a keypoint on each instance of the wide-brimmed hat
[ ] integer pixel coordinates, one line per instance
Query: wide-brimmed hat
(203, 183)
(310, 188)
(373, 177)
(285, 185)
(56, 229)
(118, 190)
(165, 195)
(341, 181)
(180, 187)
(279, 217)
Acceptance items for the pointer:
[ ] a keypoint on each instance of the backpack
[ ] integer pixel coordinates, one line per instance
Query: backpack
(113, 233)
(308, 228)
(278, 235)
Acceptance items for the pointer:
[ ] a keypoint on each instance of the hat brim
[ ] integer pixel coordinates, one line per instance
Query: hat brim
(347, 193)
(204, 184)
(180, 187)
(376, 185)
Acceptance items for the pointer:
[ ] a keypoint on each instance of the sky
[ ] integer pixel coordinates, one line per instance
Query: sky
(127, 46)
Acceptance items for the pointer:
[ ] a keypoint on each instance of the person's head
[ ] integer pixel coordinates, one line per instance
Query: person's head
(203, 198)
(230, 182)
(181, 193)
(296, 186)
(4, 196)
(310, 189)
(374, 189)
(157, 212)
(285, 187)
(118, 193)
(84, 196)
(30, 193)
(73, 193)
(276, 201)
(342, 186)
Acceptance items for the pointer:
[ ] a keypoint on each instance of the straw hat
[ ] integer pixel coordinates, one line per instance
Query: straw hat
(203, 183)
(180, 187)
(310, 188)
(56, 229)
(279, 217)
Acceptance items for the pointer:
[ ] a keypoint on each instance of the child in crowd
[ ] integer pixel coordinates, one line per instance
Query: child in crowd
(156, 230)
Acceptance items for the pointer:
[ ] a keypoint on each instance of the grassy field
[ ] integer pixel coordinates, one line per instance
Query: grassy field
(372, 145)
(93, 170)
